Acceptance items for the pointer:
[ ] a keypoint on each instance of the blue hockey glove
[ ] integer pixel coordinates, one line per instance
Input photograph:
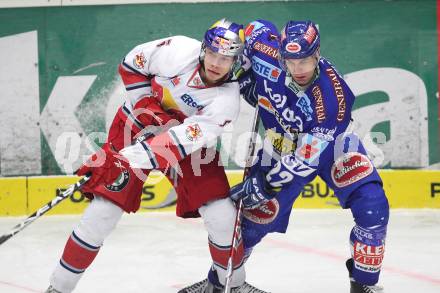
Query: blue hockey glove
(252, 191)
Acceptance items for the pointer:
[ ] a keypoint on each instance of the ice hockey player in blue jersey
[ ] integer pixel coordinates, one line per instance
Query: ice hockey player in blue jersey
(305, 107)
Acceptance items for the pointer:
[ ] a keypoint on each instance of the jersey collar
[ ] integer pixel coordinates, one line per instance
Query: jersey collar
(195, 81)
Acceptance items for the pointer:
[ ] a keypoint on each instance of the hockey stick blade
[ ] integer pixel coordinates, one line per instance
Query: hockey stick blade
(44, 209)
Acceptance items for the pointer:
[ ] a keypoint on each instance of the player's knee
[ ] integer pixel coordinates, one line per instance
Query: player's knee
(98, 221)
(369, 206)
(219, 219)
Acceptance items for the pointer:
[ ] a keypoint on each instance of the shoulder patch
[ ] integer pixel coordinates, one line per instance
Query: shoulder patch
(139, 60)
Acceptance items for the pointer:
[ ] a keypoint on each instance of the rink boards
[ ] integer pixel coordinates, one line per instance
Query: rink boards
(24, 195)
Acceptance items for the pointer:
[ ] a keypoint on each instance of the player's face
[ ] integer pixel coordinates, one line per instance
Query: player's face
(302, 70)
(216, 65)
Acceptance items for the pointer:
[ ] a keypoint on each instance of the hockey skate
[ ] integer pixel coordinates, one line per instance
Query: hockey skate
(205, 286)
(356, 287)
(51, 290)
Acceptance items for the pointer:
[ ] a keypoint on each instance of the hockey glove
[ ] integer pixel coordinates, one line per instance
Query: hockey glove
(252, 191)
(104, 167)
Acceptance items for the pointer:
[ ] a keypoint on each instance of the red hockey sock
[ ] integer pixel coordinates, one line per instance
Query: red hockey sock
(220, 255)
(78, 254)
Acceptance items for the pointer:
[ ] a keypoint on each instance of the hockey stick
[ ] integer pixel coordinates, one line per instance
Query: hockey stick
(143, 135)
(237, 226)
(44, 209)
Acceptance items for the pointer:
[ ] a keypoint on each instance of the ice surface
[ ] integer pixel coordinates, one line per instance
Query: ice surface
(160, 253)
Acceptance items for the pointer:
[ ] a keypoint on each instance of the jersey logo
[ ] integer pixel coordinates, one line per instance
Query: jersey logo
(139, 61)
(164, 43)
(324, 133)
(175, 81)
(339, 92)
(265, 69)
(225, 123)
(190, 101)
(296, 166)
(264, 103)
(350, 168)
(195, 80)
(304, 105)
(319, 104)
(120, 182)
(310, 148)
(281, 143)
(264, 214)
(193, 132)
(285, 115)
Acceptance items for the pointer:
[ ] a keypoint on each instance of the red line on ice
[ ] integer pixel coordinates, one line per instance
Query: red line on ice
(338, 257)
(20, 287)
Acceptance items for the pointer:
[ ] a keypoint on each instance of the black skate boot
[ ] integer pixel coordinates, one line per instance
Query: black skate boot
(199, 287)
(51, 290)
(356, 287)
(205, 286)
(214, 286)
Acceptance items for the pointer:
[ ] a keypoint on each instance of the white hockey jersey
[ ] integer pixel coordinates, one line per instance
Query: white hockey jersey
(168, 71)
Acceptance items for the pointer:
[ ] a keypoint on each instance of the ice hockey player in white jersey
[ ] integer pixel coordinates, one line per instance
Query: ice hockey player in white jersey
(186, 90)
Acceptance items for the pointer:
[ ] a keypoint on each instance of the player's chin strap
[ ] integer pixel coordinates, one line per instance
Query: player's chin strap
(237, 226)
(44, 209)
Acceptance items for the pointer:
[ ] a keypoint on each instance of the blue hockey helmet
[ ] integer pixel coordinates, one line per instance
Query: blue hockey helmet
(224, 37)
(299, 39)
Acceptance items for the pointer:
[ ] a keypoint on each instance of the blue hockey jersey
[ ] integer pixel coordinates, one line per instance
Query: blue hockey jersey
(307, 129)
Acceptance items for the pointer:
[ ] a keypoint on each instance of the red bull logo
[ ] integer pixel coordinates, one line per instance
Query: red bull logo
(221, 43)
(139, 61)
(193, 132)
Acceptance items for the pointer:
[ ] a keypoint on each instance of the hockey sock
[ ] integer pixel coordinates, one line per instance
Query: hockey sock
(219, 218)
(367, 250)
(97, 222)
(78, 255)
(367, 238)
(220, 255)
(76, 258)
